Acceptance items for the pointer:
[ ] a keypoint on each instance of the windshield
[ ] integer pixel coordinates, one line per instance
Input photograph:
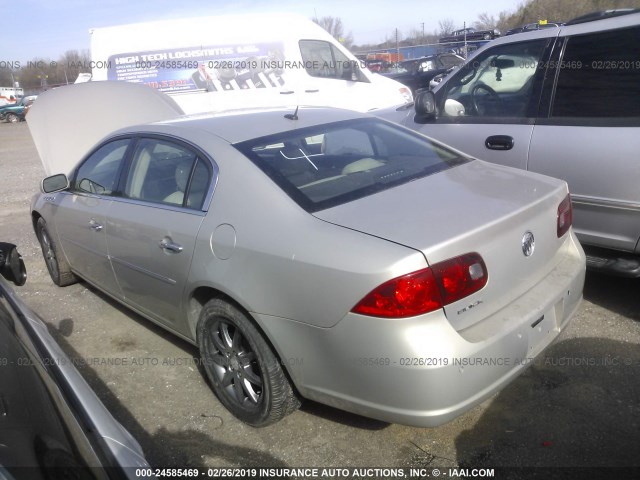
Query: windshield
(331, 164)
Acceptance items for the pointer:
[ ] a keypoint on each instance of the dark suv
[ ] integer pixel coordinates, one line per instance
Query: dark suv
(418, 72)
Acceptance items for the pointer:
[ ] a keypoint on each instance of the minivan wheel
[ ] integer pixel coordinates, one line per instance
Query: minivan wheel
(58, 268)
(12, 118)
(245, 375)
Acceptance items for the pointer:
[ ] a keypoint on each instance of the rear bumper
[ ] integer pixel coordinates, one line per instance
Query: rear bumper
(420, 371)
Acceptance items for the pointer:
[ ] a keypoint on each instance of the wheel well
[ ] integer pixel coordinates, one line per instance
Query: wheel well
(35, 216)
(202, 295)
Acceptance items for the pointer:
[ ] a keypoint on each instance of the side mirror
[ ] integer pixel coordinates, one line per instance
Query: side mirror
(11, 264)
(55, 183)
(425, 105)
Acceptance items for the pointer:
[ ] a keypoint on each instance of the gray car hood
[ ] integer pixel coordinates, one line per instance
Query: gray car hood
(67, 121)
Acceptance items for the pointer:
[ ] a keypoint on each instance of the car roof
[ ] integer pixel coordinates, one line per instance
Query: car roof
(111, 108)
(236, 126)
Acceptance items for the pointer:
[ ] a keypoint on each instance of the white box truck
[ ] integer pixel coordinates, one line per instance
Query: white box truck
(236, 61)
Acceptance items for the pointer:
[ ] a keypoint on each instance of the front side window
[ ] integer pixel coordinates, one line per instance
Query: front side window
(100, 172)
(322, 59)
(498, 82)
(165, 172)
(324, 166)
(600, 76)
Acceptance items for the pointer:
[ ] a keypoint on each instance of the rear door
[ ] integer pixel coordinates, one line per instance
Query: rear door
(591, 135)
(152, 228)
(489, 106)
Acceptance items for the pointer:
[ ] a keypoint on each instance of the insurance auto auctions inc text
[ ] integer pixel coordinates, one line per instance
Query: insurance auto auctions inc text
(350, 473)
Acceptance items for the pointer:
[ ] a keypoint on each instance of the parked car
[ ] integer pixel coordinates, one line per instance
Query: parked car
(418, 72)
(469, 35)
(15, 112)
(52, 425)
(308, 252)
(563, 102)
(532, 27)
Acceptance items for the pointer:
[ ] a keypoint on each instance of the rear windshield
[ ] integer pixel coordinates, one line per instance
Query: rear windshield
(331, 164)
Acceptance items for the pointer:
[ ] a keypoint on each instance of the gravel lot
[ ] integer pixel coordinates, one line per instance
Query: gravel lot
(577, 406)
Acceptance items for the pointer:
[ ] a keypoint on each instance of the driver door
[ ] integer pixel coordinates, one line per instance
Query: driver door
(488, 108)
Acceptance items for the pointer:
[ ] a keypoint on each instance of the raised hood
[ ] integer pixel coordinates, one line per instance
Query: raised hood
(475, 207)
(67, 121)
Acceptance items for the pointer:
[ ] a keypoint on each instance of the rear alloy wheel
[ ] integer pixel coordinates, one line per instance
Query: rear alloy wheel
(58, 267)
(245, 375)
(12, 118)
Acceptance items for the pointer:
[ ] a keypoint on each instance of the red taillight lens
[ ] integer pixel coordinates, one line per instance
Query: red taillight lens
(426, 290)
(461, 276)
(565, 216)
(405, 296)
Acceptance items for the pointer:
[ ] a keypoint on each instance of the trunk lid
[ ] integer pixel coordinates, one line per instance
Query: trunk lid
(475, 207)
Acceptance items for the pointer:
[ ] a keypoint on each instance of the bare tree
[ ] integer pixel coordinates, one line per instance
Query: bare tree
(485, 22)
(334, 26)
(71, 64)
(446, 26)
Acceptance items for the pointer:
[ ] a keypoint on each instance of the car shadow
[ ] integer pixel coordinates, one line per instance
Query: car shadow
(65, 329)
(620, 295)
(317, 409)
(163, 448)
(340, 416)
(576, 406)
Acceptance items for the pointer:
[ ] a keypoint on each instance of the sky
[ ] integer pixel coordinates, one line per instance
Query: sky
(46, 29)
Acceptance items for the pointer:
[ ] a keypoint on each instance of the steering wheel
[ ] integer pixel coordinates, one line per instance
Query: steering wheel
(478, 106)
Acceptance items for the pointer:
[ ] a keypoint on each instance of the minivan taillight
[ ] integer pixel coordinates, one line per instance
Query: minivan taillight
(426, 290)
(565, 215)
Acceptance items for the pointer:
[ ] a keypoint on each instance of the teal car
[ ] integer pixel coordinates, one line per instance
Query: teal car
(15, 112)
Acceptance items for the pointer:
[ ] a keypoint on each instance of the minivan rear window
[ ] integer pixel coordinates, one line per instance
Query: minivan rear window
(331, 164)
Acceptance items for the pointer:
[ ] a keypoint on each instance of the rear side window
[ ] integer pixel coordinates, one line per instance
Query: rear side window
(600, 76)
(166, 172)
(322, 59)
(324, 166)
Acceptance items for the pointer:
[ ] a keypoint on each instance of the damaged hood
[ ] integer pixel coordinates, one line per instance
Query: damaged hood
(68, 121)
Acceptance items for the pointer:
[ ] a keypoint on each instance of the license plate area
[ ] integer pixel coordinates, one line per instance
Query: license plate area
(543, 329)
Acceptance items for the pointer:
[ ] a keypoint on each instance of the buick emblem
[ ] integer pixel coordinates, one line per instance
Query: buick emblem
(528, 244)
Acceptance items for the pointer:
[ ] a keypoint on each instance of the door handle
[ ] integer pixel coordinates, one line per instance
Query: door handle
(95, 225)
(499, 142)
(167, 244)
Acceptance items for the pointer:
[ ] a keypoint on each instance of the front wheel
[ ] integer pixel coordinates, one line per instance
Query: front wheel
(12, 118)
(58, 268)
(245, 375)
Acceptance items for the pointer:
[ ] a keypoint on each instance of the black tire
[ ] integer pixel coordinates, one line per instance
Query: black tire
(245, 375)
(12, 118)
(57, 266)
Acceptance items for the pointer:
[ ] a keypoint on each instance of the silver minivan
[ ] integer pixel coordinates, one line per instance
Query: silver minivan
(564, 102)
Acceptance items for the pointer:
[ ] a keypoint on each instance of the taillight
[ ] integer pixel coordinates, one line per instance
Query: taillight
(426, 290)
(565, 216)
